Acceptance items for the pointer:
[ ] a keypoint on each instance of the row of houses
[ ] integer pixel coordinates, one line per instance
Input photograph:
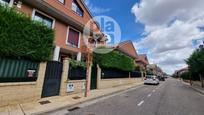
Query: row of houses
(68, 18)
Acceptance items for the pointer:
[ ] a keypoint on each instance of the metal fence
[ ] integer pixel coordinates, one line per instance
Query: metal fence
(136, 74)
(77, 73)
(18, 70)
(114, 73)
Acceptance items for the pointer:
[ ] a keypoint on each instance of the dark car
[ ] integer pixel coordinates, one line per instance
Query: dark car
(161, 79)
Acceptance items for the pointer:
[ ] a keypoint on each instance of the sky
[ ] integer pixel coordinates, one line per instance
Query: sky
(168, 31)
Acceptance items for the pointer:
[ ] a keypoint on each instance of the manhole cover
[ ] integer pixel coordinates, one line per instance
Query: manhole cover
(76, 97)
(44, 102)
(74, 108)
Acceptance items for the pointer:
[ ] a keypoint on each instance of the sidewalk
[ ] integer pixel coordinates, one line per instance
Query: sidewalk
(196, 87)
(57, 102)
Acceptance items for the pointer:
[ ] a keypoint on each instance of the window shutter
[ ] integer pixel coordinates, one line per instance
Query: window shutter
(73, 37)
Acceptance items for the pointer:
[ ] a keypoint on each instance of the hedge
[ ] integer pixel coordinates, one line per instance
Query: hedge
(20, 37)
(114, 59)
(185, 75)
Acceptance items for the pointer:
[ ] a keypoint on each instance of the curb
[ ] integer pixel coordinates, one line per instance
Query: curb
(73, 105)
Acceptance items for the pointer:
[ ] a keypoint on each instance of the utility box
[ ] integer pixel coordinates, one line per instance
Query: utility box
(70, 87)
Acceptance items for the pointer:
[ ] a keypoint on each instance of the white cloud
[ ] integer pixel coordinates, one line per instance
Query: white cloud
(171, 26)
(94, 9)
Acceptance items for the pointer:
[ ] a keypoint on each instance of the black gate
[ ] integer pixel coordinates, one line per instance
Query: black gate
(94, 77)
(51, 86)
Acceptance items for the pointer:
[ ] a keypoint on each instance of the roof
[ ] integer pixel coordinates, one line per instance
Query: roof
(182, 70)
(128, 48)
(142, 58)
(89, 12)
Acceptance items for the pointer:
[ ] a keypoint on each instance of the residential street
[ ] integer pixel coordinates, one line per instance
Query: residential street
(169, 98)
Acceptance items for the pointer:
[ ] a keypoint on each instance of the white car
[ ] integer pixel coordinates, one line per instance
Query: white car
(151, 79)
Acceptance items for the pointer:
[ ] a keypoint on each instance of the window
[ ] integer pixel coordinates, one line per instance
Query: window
(5, 1)
(62, 1)
(76, 8)
(73, 37)
(44, 19)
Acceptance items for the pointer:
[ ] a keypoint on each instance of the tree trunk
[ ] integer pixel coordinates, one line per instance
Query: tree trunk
(201, 80)
(191, 83)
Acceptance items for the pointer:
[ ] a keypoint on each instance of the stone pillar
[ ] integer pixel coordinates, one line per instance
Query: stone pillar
(65, 72)
(142, 75)
(79, 56)
(98, 76)
(56, 53)
(41, 78)
(129, 74)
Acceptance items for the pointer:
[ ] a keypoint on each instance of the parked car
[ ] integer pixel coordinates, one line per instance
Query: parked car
(161, 78)
(151, 79)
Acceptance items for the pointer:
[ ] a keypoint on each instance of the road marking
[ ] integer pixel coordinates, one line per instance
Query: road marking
(139, 104)
(153, 90)
(149, 95)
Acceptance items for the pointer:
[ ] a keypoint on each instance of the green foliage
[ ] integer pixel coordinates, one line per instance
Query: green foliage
(20, 37)
(102, 50)
(76, 64)
(137, 68)
(114, 59)
(196, 61)
(185, 75)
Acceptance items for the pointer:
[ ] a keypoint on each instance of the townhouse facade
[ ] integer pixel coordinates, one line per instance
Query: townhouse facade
(142, 61)
(68, 18)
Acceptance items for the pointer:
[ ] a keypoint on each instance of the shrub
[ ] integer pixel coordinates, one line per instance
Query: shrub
(76, 64)
(114, 59)
(20, 37)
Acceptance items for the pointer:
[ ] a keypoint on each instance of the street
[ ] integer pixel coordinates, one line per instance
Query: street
(169, 98)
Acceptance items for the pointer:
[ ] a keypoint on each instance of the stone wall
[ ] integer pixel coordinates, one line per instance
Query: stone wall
(14, 93)
(79, 86)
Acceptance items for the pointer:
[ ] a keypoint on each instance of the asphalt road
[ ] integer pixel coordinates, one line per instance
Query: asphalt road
(169, 98)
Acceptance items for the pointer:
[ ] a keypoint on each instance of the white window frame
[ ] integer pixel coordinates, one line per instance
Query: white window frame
(79, 42)
(62, 2)
(33, 15)
(74, 8)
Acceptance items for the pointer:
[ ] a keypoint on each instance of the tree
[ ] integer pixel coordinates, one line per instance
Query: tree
(196, 63)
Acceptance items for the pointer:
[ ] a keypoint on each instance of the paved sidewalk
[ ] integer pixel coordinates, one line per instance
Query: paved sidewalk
(195, 86)
(58, 102)
(198, 88)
